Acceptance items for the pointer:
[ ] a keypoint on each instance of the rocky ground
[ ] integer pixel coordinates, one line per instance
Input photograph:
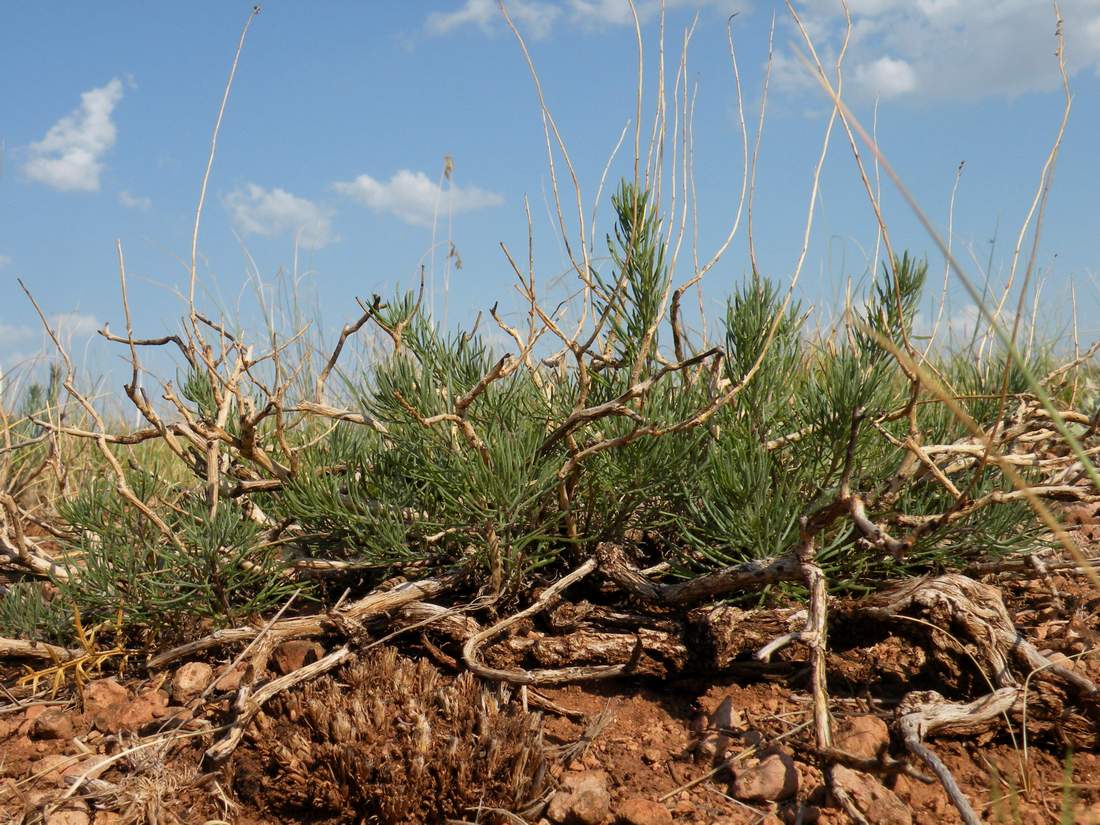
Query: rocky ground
(391, 737)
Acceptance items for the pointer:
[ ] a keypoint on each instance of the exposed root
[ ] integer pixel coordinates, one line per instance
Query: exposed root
(978, 612)
(373, 604)
(561, 676)
(747, 575)
(814, 636)
(23, 649)
(923, 713)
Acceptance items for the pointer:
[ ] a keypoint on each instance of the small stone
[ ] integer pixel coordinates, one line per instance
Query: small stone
(53, 723)
(685, 807)
(725, 717)
(583, 800)
(559, 807)
(651, 756)
(296, 654)
(51, 766)
(639, 811)
(1060, 659)
(229, 677)
(30, 715)
(191, 680)
(591, 801)
(863, 736)
(573, 780)
(775, 778)
(68, 816)
(879, 804)
(153, 704)
(104, 701)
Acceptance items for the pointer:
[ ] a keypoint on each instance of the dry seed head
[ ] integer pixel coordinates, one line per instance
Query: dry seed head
(428, 749)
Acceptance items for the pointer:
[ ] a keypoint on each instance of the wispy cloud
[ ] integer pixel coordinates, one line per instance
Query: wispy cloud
(886, 77)
(14, 333)
(70, 156)
(67, 325)
(134, 201)
(4, 261)
(539, 17)
(617, 12)
(535, 16)
(948, 49)
(415, 198)
(270, 212)
(955, 325)
(75, 324)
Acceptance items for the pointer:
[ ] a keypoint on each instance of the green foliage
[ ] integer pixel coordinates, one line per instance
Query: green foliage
(214, 569)
(421, 493)
(633, 294)
(26, 612)
(21, 467)
(502, 468)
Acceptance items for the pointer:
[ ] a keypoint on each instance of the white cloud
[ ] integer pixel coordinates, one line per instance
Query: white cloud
(955, 325)
(538, 17)
(4, 261)
(886, 77)
(70, 156)
(616, 12)
(14, 333)
(269, 212)
(949, 49)
(75, 324)
(415, 198)
(531, 15)
(134, 201)
(66, 324)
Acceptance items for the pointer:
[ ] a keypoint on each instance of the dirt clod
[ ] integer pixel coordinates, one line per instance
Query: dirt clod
(104, 702)
(191, 680)
(639, 811)
(877, 803)
(863, 736)
(297, 653)
(69, 815)
(149, 705)
(773, 779)
(651, 756)
(53, 723)
(583, 800)
(229, 677)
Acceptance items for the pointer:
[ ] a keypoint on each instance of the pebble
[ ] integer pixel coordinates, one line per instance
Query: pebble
(639, 811)
(775, 778)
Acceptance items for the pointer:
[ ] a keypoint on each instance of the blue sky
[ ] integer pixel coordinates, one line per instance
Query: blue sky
(342, 114)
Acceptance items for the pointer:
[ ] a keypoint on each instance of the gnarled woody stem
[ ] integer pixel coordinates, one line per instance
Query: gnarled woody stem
(373, 604)
(613, 563)
(548, 676)
(926, 712)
